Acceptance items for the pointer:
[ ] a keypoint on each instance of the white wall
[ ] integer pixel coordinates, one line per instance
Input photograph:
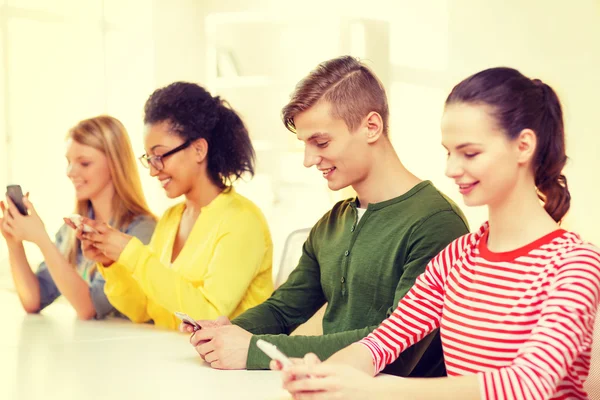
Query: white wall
(559, 43)
(68, 60)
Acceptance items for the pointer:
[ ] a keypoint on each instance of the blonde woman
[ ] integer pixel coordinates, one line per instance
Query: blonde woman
(102, 168)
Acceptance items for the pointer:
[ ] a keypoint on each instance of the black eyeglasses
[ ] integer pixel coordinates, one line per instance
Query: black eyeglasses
(157, 161)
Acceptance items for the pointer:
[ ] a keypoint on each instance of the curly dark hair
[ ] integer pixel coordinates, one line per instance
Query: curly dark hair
(193, 114)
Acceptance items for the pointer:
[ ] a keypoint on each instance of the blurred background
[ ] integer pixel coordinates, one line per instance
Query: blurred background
(65, 60)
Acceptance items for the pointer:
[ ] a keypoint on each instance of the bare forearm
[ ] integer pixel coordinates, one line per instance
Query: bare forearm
(26, 283)
(68, 281)
(456, 387)
(464, 387)
(357, 356)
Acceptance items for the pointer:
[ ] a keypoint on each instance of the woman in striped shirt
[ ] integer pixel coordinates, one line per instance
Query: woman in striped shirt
(516, 300)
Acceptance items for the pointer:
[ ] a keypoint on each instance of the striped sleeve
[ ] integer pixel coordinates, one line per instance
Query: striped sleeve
(418, 313)
(562, 334)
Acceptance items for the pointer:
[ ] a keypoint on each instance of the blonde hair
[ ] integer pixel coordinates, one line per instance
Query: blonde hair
(108, 135)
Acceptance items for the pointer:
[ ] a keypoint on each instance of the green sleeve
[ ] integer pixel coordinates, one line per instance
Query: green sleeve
(293, 303)
(426, 241)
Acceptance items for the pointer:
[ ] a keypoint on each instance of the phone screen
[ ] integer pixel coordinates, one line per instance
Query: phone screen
(16, 195)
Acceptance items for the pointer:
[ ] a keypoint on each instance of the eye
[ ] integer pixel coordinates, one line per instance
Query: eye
(85, 164)
(322, 144)
(471, 155)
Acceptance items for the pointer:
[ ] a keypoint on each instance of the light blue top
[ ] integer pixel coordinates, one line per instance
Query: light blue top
(141, 227)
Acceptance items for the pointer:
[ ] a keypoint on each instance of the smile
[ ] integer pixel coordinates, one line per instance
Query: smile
(327, 172)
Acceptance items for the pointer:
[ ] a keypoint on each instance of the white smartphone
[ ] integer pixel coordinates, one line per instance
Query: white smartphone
(76, 220)
(272, 351)
(188, 320)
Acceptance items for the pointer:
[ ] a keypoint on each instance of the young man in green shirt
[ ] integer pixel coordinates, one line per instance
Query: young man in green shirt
(361, 257)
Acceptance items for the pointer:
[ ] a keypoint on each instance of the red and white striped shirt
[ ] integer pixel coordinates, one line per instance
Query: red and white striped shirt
(521, 320)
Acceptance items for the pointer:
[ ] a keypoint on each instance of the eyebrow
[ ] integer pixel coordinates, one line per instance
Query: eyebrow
(316, 135)
(462, 146)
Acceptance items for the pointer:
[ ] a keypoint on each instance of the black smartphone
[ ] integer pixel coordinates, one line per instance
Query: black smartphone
(16, 195)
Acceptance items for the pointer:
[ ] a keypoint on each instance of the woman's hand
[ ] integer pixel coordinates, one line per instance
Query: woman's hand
(107, 243)
(6, 229)
(312, 379)
(23, 227)
(91, 252)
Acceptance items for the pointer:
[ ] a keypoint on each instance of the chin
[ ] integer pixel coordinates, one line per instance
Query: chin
(335, 186)
(473, 201)
(173, 193)
(82, 196)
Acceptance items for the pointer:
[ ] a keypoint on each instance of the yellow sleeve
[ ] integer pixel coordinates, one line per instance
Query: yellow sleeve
(124, 293)
(121, 289)
(238, 255)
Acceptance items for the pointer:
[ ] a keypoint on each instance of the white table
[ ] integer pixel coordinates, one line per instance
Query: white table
(55, 356)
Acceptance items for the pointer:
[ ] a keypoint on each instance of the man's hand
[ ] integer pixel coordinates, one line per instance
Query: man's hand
(204, 323)
(223, 347)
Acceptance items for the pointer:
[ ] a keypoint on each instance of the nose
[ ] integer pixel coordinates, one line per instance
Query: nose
(153, 171)
(454, 168)
(70, 173)
(310, 158)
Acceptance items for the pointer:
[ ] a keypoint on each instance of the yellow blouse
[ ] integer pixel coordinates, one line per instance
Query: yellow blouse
(224, 267)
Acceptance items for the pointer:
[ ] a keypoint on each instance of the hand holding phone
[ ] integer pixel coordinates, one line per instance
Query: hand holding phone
(272, 351)
(15, 193)
(76, 220)
(188, 320)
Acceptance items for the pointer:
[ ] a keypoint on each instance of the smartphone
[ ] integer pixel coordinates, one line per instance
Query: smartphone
(16, 195)
(188, 320)
(76, 220)
(272, 351)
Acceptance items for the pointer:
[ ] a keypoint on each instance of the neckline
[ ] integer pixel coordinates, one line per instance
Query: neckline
(511, 255)
(382, 204)
(214, 205)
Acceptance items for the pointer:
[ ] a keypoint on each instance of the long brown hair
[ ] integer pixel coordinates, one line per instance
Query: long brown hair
(518, 103)
(108, 135)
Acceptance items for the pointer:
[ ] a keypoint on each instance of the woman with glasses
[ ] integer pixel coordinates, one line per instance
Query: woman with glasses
(211, 254)
(101, 166)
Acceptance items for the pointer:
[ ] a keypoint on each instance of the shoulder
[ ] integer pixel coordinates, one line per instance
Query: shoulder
(577, 273)
(63, 232)
(339, 210)
(142, 222)
(462, 244)
(431, 213)
(170, 214)
(331, 219)
(428, 201)
(240, 209)
(576, 254)
(173, 211)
